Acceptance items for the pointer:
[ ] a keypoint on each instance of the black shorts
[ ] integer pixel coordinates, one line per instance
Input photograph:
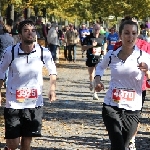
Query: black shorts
(89, 63)
(121, 125)
(92, 62)
(23, 122)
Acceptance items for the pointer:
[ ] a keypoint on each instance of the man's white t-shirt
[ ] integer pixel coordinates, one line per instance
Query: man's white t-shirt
(25, 80)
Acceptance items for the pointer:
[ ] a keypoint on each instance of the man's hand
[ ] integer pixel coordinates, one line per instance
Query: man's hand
(52, 96)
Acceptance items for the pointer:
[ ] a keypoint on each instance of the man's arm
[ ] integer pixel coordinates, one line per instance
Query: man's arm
(52, 94)
(86, 47)
(53, 82)
(50, 65)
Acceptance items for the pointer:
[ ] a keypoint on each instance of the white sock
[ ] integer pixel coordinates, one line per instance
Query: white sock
(133, 139)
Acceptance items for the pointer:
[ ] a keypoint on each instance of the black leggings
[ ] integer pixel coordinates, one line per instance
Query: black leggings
(121, 125)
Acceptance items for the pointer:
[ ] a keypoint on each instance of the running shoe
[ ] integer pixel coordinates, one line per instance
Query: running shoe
(95, 96)
(132, 146)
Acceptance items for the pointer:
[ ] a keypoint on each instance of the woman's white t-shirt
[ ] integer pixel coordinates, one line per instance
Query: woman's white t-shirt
(125, 87)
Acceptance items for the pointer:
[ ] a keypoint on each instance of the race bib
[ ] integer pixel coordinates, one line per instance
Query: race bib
(123, 95)
(96, 51)
(83, 34)
(26, 94)
(113, 42)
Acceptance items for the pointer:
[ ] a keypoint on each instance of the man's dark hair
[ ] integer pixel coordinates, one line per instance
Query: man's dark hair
(23, 23)
(127, 22)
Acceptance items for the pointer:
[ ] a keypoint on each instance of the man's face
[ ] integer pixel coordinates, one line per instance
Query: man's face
(97, 29)
(28, 35)
(112, 30)
(83, 27)
(71, 27)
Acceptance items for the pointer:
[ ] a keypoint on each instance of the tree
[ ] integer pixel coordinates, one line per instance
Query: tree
(84, 9)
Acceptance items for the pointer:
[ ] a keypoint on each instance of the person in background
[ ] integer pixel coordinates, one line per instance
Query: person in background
(83, 32)
(65, 29)
(6, 40)
(92, 44)
(71, 41)
(41, 29)
(60, 35)
(112, 39)
(53, 40)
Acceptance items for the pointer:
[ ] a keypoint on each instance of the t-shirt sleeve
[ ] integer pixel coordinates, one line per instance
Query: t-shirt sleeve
(48, 62)
(101, 66)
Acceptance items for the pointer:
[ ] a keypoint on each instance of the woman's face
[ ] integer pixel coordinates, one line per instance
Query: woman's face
(129, 35)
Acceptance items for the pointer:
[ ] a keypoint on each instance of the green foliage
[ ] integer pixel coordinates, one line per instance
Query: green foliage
(84, 9)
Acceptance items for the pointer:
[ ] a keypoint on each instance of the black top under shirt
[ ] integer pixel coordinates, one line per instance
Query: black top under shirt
(89, 40)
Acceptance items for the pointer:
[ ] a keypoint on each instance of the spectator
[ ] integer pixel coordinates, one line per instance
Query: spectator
(52, 39)
(71, 37)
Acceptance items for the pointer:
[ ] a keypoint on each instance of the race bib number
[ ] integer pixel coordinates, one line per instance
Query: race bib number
(123, 95)
(96, 51)
(26, 94)
(83, 34)
(113, 42)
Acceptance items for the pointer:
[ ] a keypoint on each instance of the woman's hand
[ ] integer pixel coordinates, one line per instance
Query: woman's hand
(143, 67)
(98, 85)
